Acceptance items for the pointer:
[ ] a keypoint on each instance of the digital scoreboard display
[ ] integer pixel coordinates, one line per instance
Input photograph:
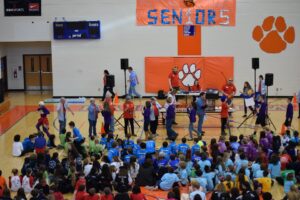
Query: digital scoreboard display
(22, 8)
(76, 30)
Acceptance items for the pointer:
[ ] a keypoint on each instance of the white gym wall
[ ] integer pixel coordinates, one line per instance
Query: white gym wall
(78, 65)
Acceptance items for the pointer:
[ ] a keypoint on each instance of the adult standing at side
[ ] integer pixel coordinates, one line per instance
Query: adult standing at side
(93, 111)
(201, 105)
(262, 89)
(61, 109)
(229, 90)
(107, 87)
(174, 80)
(134, 81)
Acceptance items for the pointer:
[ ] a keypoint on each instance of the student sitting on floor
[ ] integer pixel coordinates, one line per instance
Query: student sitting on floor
(28, 144)
(17, 149)
(168, 179)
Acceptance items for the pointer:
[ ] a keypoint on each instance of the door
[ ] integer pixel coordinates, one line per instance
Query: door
(38, 72)
(4, 73)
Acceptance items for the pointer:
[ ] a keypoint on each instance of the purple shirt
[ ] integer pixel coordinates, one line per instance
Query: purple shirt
(146, 114)
(44, 111)
(289, 111)
(170, 112)
(107, 116)
(192, 114)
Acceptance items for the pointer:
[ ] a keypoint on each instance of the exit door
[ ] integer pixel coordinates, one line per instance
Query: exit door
(38, 72)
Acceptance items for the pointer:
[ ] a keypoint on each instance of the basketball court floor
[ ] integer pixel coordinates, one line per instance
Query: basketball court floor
(22, 117)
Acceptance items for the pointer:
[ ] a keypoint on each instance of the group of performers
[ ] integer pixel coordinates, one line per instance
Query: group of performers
(152, 107)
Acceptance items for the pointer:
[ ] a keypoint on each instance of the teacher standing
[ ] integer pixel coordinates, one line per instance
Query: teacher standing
(61, 109)
(174, 80)
(134, 81)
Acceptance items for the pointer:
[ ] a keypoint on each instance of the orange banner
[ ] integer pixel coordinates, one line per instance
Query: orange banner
(211, 72)
(175, 12)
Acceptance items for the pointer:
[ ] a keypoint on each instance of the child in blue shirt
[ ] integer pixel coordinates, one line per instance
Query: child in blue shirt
(128, 143)
(109, 141)
(103, 140)
(168, 180)
(289, 182)
(173, 146)
(141, 153)
(173, 162)
(113, 151)
(183, 174)
(195, 147)
(150, 145)
(28, 144)
(209, 175)
(183, 147)
(165, 148)
(192, 116)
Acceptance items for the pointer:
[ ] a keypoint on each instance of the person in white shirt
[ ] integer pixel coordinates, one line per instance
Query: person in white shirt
(17, 149)
(15, 181)
(26, 182)
(195, 189)
(262, 89)
(172, 95)
(61, 109)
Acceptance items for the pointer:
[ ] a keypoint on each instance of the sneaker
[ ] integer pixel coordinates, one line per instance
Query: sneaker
(245, 115)
(175, 123)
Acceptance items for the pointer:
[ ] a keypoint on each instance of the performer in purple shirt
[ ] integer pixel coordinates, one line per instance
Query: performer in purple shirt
(146, 114)
(289, 114)
(261, 115)
(43, 120)
(170, 116)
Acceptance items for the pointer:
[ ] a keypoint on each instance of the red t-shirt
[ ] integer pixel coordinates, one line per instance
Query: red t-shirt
(139, 196)
(58, 196)
(195, 88)
(128, 108)
(81, 181)
(80, 195)
(94, 197)
(224, 110)
(284, 160)
(174, 79)
(229, 89)
(155, 109)
(107, 197)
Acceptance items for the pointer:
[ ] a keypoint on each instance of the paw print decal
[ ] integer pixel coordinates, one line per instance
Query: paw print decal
(274, 35)
(189, 74)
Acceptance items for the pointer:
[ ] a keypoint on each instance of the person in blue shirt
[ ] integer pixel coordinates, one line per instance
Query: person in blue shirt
(195, 147)
(128, 155)
(128, 143)
(136, 146)
(110, 140)
(93, 111)
(43, 120)
(261, 115)
(141, 153)
(183, 147)
(150, 145)
(134, 81)
(240, 163)
(113, 152)
(196, 157)
(182, 173)
(209, 175)
(103, 140)
(274, 166)
(192, 116)
(28, 144)
(173, 146)
(168, 180)
(170, 118)
(204, 161)
(289, 114)
(173, 162)
(201, 105)
(166, 149)
(200, 179)
(77, 137)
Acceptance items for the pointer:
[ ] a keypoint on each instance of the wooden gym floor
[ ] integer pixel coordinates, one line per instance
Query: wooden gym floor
(21, 119)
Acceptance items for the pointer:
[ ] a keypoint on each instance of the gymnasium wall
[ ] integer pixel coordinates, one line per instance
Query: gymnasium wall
(78, 65)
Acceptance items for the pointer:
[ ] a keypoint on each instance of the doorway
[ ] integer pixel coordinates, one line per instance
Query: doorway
(4, 74)
(38, 72)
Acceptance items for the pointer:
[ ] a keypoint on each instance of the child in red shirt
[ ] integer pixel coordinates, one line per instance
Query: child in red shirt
(92, 195)
(137, 194)
(80, 193)
(81, 181)
(107, 194)
(224, 114)
(128, 114)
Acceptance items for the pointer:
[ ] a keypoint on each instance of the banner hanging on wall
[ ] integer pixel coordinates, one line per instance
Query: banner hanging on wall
(210, 72)
(176, 12)
(22, 7)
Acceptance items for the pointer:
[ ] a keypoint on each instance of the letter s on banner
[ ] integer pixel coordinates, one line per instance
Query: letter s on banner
(224, 16)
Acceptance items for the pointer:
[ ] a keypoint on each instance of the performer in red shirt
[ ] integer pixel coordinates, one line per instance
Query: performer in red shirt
(128, 115)
(174, 79)
(229, 90)
(224, 114)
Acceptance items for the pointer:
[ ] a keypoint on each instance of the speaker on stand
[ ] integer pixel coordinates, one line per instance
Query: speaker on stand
(124, 67)
(255, 66)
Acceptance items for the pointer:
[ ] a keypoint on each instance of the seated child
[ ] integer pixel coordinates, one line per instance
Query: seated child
(17, 149)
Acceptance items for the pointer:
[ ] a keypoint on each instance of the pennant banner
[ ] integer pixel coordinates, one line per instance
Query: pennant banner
(210, 72)
(175, 12)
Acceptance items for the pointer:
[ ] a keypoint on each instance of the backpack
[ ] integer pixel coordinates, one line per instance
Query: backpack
(161, 94)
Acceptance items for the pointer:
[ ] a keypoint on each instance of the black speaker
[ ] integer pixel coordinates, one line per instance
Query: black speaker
(1, 90)
(269, 79)
(110, 81)
(124, 63)
(255, 63)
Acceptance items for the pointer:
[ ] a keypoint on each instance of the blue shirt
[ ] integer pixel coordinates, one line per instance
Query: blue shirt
(182, 148)
(174, 163)
(200, 106)
(239, 164)
(150, 146)
(170, 112)
(112, 153)
(162, 162)
(166, 151)
(141, 154)
(209, 177)
(129, 144)
(133, 79)
(274, 170)
(287, 185)
(289, 111)
(195, 148)
(40, 142)
(27, 145)
(202, 182)
(127, 158)
(183, 176)
(192, 115)
(77, 135)
(93, 111)
(168, 180)
(203, 164)
(103, 141)
(173, 147)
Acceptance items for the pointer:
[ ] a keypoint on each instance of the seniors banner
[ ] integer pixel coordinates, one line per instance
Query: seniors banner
(175, 12)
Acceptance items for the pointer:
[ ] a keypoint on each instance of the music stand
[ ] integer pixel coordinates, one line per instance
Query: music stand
(251, 114)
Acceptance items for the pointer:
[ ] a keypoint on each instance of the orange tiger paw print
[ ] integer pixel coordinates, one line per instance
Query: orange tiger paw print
(274, 39)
